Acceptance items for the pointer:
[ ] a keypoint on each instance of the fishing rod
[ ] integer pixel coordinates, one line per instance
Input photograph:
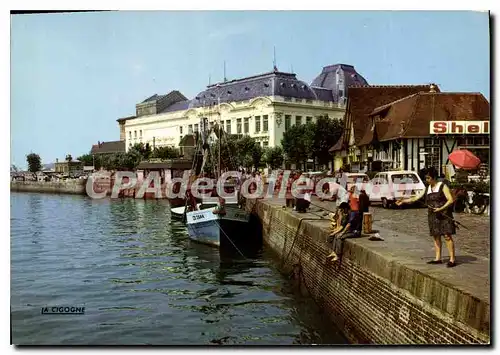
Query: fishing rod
(453, 219)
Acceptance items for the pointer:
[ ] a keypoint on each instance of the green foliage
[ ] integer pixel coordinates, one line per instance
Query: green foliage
(237, 151)
(273, 157)
(86, 159)
(312, 140)
(165, 153)
(143, 149)
(34, 162)
(326, 133)
(296, 141)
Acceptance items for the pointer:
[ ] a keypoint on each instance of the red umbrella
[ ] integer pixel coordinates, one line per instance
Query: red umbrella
(464, 159)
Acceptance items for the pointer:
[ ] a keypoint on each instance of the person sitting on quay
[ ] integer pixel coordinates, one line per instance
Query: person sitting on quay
(344, 228)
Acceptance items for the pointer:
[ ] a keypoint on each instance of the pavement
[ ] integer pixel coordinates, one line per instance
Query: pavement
(407, 241)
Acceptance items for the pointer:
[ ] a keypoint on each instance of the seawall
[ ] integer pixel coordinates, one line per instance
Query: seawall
(381, 292)
(76, 187)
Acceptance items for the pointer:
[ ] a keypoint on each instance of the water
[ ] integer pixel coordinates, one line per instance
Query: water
(142, 281)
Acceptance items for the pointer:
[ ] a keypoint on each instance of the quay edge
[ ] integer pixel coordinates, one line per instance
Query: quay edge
(379, 294)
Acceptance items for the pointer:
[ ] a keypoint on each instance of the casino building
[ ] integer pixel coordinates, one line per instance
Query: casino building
(410, 127)
(263, 106)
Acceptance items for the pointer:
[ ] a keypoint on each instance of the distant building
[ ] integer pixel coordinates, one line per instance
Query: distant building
(262, 106)
(68, 167)
(106, 148)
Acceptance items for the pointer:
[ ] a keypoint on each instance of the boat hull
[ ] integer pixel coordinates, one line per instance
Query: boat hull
(216, 230)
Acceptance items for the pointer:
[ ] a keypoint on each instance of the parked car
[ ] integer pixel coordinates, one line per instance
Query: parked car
(389, 186)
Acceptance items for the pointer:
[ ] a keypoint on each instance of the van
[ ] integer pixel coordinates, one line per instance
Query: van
(389, 186)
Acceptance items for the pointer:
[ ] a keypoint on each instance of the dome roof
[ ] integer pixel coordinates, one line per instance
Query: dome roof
(338, 78)
(268, 84)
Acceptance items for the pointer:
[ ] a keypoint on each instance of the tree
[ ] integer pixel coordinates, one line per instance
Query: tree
(86, 159)
(273, 157)
(34, 162)
(326, 133)
(143, 149)
(296, 143)
(165, 153)
(69, 157)
(256, 154)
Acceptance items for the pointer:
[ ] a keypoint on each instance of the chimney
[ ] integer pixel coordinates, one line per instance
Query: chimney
(432, 88)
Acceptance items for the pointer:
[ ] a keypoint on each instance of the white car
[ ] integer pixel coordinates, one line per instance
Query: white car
(389, 186)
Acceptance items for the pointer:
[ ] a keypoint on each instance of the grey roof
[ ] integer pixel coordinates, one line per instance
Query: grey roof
(108, 147)
(178, 106)
(269, 84)
(323, 94)
(345, 74)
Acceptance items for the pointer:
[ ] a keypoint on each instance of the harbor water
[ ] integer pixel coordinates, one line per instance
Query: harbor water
(141, 281)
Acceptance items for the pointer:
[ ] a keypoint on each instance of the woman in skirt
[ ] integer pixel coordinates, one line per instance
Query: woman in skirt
(439, 200)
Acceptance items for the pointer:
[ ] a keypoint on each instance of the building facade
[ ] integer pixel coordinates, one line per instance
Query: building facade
(261, 106)
(399, 135)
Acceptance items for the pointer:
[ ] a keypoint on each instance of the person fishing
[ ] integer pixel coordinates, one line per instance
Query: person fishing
(341, 230)
(438, 199)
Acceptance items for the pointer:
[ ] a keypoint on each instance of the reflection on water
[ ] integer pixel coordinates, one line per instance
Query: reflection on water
(142, 281)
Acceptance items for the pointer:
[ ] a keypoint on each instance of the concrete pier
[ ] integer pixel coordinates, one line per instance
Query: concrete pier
(76, 186)
(382, 292)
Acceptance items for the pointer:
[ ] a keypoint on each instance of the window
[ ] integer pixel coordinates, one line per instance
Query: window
(288, 122)
(180, 129)
(298, 100)
(288, 99)
(309, 101)
(130, 135)
(298, 120)
(196, 127)
(212, 124)
(257, 124)
(238, 125)
(228, 126)
(246, 124)
(135, 134)
(190, 129)
(308, 119)
(265, 144)
(140, 134)
(405, 179)
(264, 123)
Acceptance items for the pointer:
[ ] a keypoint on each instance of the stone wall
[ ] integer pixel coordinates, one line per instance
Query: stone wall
(372, 298)
(76, 186)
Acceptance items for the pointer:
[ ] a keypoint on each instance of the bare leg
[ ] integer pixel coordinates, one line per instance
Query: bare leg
(437, 247)
(450, 244)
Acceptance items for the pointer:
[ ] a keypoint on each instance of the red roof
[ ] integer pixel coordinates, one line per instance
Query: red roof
(362, 100)
(411, 116)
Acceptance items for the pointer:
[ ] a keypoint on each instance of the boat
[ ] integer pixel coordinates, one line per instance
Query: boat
(220, 225)
(179, 212)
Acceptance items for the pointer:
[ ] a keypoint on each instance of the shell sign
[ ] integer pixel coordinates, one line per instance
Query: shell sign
(460, 127)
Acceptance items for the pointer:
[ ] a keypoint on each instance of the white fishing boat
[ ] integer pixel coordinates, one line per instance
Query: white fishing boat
(217, 226)
(179, 212)
(209, 227)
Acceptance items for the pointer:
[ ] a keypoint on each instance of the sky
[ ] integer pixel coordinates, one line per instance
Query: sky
(74, 74)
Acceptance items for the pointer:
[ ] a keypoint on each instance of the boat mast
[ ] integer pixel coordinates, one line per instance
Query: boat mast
(220, 134)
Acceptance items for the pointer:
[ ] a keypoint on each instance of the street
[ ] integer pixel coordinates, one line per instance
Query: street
(411, 220)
